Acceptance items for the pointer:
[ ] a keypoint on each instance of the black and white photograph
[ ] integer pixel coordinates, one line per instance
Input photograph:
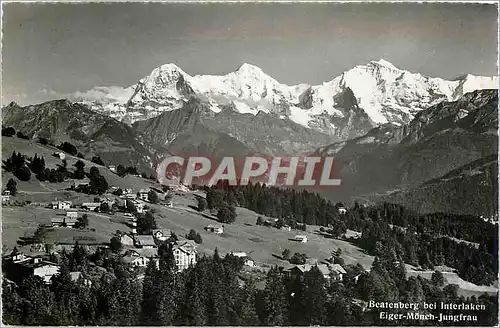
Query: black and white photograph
(249, 164)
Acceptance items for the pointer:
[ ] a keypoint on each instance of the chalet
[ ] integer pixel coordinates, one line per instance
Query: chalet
(146, 252)
(5, 197)
(77, 276)
(162, 234)
(107, 200)
(60, 155)
(337, 272)
(91, 206)
(144, 195)
(136, 261)
(40, 248)
(286, 228)
(144, 241)
(126, 240)
(20, 257)
(112, 168)
(247, 260)
(139, 206)
(169, 204)
(325, 270)
(298, 270)
(72, 214)
(342, 210)
(239, 254)
(300, 238)
(61, 205)
(215, 228)
(141, 257)
(38, 267)
(312, 261)
(185, 255)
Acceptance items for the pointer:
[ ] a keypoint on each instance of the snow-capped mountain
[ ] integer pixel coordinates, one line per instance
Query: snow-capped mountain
(378, 91)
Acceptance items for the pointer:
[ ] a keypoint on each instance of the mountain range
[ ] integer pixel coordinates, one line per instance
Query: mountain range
(382, 92)
(389, 130)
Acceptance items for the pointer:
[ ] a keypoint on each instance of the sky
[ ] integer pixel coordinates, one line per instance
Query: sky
(52, 50)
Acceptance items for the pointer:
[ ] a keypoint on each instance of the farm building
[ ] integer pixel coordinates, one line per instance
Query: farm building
(215, 228)
(91, 206)
(63, 222)
(301, 238)
(72, 214)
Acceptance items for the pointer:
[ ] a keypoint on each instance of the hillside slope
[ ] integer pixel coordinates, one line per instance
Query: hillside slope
(439, 140)
(92, 133)
(470, 189)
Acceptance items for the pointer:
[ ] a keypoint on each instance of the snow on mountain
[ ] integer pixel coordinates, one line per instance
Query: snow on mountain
(382, 91)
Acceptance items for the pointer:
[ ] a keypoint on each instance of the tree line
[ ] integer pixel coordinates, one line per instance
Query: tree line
(290, 205)
(213, 293)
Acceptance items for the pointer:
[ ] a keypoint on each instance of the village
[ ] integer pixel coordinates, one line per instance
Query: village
(32, 256)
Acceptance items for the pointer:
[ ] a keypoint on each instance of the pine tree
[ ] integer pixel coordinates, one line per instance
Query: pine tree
(275, 307)
(248, 316)
(149, 304)
(315, 296)
(12, 186)
(202, 204)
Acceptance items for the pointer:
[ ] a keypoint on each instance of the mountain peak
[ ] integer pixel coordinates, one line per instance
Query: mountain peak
(385, 63)
(246, 67)
(170, 67)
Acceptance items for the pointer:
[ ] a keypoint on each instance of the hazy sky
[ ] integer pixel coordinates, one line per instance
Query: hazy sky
(53, 49)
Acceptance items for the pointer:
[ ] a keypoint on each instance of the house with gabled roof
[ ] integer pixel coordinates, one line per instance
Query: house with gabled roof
(144, 241)
(140, 257)
(126, 240)
(337, 272)
(162, 234)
